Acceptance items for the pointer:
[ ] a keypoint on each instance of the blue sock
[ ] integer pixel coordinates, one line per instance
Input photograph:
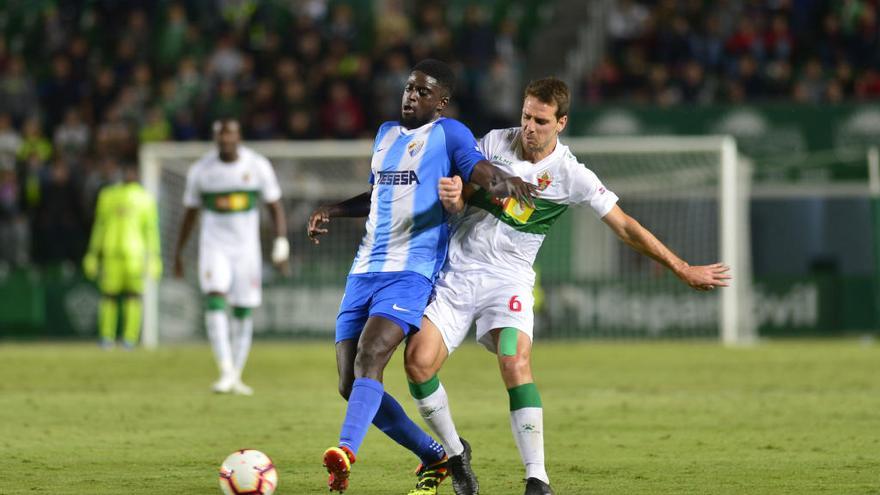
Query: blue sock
(393, 421)
(366, 395)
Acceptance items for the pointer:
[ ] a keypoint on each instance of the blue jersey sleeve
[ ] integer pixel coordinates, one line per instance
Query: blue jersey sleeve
(462, 148)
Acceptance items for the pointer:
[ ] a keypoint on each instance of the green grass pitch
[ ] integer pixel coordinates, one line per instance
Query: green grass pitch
(671, 418)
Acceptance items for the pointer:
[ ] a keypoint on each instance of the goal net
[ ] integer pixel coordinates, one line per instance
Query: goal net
(690, 192)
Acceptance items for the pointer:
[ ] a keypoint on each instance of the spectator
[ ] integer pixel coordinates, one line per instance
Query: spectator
(34, 143)
(10, 140)
(342, 24)
(18, 95)
(226, 61)
(341, 116)
(59, 226)
(13, 228)
(810, 87)
(476, 39)
(155, 127)
(103, 93)
(393, 27)
(263, 118)
(227, 103)
(500, 93)
(626, 23)
(72, 136)
(386, 87)
(171, 44)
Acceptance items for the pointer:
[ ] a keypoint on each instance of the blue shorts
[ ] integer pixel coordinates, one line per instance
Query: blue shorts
(397, 296)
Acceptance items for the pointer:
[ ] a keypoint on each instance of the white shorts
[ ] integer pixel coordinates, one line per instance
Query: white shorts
(460, 298)
(238, 276)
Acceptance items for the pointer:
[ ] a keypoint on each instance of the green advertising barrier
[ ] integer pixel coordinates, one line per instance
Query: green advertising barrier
(61, 304)
(50, 302)
(782, 138)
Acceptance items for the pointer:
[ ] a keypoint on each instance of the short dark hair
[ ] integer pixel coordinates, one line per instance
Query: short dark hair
(439, 71)
(551, 90)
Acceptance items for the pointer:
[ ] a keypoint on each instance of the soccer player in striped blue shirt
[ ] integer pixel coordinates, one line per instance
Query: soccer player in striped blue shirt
(398, 260)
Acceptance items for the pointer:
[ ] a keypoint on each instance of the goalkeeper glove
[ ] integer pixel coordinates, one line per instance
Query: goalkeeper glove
(280, 250)
(90, 266)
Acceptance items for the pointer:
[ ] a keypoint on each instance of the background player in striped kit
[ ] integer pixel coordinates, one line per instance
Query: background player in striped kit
(488, 277)
(228, 185)
(393, 273)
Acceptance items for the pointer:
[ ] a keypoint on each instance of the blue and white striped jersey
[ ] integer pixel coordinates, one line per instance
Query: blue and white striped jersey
(407, 228)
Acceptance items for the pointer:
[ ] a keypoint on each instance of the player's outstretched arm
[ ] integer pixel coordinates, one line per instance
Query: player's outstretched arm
(702, 277)
(189, 221)
(497, 184)
(358, 206)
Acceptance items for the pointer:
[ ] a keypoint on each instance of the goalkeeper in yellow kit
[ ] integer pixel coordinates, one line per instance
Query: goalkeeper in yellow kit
(124, 248)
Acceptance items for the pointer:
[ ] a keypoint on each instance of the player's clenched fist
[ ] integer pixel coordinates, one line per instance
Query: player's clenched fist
(450, 193)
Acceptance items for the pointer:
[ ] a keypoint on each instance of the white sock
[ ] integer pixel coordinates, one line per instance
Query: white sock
(218, 333)
(434, 409)
(242, 336)
(528, 431)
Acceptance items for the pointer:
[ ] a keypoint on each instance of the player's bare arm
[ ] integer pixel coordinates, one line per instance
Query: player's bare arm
(497, 184)
(630, 231)
(281, 246)
(358, 206)
(189, 221)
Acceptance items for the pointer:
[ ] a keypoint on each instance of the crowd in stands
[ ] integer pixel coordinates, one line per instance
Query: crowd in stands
(83, 83)
(668, 52)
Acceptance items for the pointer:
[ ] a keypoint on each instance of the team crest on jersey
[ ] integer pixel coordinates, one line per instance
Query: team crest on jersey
(414, 147)
(544, 181)
(246, 177)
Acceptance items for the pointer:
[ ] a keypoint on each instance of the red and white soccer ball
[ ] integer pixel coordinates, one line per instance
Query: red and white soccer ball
(248, 472)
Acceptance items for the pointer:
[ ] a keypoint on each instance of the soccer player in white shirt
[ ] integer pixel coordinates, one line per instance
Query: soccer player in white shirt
(488, 277)
(228, 185)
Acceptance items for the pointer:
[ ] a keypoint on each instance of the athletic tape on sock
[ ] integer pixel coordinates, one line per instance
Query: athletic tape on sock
(507, 341)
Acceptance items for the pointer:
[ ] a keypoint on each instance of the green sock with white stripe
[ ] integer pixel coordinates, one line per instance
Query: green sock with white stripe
(527, 424)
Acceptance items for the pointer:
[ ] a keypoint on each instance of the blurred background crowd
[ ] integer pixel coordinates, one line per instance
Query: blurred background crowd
(693, 51)
(82, 83)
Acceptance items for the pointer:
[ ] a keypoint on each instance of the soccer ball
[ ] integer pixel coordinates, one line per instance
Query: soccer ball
(248, 472)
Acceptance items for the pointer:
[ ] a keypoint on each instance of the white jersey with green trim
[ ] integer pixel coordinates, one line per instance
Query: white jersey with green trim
(504, 236)
(229, 195)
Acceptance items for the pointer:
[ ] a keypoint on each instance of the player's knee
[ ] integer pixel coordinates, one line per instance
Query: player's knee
(516, 367)
(417, 368)
(371, 359)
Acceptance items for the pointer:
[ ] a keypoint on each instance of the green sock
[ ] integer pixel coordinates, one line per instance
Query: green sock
(133, 314)
(109, 312)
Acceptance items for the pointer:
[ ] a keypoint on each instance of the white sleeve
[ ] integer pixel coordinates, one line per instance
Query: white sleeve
(586, 188)
(191, 194)
(270, 191)
(489, 142)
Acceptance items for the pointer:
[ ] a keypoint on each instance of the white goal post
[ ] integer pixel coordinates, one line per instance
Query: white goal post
(692, 192)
